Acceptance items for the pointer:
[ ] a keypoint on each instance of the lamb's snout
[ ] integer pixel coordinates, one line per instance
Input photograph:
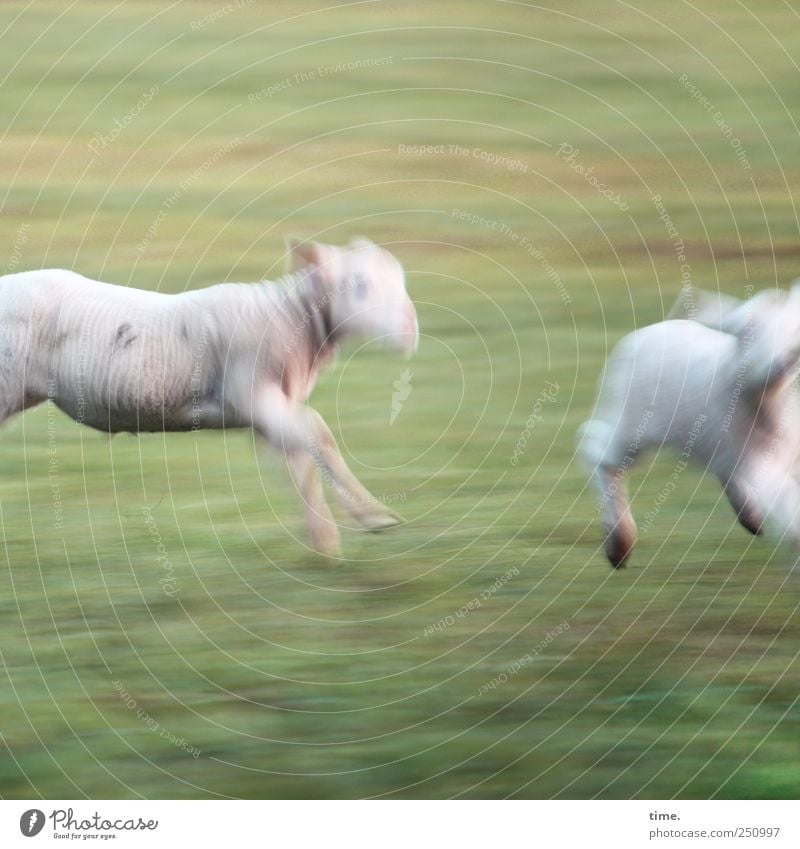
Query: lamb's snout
(406, 338)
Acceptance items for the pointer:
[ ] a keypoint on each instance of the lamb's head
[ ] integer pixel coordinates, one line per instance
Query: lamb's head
(768, 329)
(367, 291)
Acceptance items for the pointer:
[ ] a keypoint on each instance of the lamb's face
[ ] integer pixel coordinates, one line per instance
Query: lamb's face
(366, 291)
(373, 303)
(768, 327)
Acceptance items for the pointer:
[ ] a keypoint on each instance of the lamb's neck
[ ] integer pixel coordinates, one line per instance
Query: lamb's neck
(308, 304)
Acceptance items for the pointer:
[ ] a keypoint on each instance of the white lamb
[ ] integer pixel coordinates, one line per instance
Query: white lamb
(723, 395)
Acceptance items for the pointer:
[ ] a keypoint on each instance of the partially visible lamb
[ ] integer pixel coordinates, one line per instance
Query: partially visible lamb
(725, 398)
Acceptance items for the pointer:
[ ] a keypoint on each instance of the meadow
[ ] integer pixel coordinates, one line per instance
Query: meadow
(549, 179)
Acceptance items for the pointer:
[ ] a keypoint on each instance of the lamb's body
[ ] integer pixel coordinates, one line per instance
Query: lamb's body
(724, 400)
(232, 355)
(124, 359)
(681, 382)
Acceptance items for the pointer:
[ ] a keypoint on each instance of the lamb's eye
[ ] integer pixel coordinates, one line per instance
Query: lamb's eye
(361, 286)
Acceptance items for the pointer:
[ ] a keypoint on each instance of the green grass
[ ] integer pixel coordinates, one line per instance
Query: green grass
(290, 677)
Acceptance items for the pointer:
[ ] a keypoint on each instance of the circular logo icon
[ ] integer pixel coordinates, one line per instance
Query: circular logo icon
(31, 822)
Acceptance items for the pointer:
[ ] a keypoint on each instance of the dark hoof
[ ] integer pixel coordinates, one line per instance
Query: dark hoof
(755, 528)
(618, 549)
(617, 562)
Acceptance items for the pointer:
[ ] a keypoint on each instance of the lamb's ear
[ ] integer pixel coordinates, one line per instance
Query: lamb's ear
(302, 253)
(360, 243)
(712, 309)
(684, 305)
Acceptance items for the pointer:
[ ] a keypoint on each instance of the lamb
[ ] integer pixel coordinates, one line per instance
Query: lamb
(721, 391)
(228, 356)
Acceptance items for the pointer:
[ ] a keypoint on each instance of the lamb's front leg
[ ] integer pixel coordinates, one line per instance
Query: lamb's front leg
(779, 496)
(286, 426)
(303, 437)
(744, 502)
(353, 495)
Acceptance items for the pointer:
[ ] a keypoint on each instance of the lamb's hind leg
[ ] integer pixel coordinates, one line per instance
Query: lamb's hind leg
(16, 400)
(606, 464)
(618, 524)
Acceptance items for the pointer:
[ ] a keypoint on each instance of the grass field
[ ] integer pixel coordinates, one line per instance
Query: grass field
(175, 146)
